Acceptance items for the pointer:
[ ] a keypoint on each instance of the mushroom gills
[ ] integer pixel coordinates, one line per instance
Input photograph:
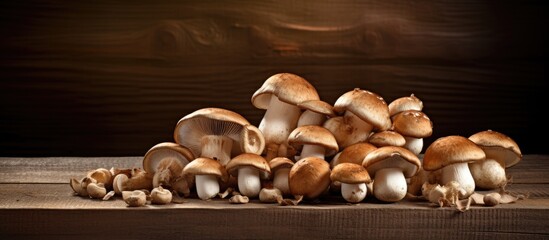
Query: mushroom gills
(460, 173)
(206, 186)
(248, 181)
(390, 185)
(280, 180)
(353, 192)
(217, 148)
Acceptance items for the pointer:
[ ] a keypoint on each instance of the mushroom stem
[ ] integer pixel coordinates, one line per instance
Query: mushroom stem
(279, 120)
(359, 132)
(460, 173)
(272, 151)
(310, 150)
(217, 148)
(353, 192)
(248, 181)
(311, 118)
(280, 180)
(206, 186)
(488, 174)
(390, 185)
(415, 145)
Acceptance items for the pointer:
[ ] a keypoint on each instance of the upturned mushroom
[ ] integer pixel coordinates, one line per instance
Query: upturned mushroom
(501, 152)
(247, 167)
(314, 141)
(452, 154)
(206, 172)
(218, 134)
(363, 111)
(387, 138)
(353, 178)
(414, 126)
(404, 104)
(316, 112)
(390, 166)
(309, 177)
(279, 95)
(280, 167)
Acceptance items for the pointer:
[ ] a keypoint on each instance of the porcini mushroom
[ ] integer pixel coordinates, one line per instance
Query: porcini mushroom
(247, 167)
(353, 178)
(315, 141)
(387, 138)
(414, 126)
(279, 95)
(501, 152)
(206, 172)
(280, 167)
(166, 162)
(452, 154)
(353, 154)
(316, 112)
(390, 166)
(309, 177)
(404, 104)
(218, 134)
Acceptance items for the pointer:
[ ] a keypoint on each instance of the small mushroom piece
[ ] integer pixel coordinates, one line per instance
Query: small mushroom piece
(452, 154)
(101, 175)
(138, 179)
(315, 141)
(316, 113)
(161, 196)
(390, 166)
(77, 188)
(239, 199)
(269, 195)
(206, 172)
(96, 190)
(501, 152)
(387, 138)
(404, 104)
(247, 168)
(309, 177)
(280, 167)
(136, 198)
(414, 126)
(492, 199)
(165, 161)
(353, 178)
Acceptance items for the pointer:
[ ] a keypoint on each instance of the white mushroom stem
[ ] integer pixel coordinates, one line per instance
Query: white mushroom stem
(310, 150)
(280, 180)
(390, 185)
(206, 186)
(279, 121)
(248, 181)
(353, 192)
(460, 173)
(488, 174)
(415, 145)
(217, 148)
(311, 118)
(359, 132)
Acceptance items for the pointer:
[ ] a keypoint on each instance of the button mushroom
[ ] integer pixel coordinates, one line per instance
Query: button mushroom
(316, 112)
(390, 166)
(218, 134)
(404, 104)
(315, 141)
(452, 154)
(279, 95)
(501, 152)
(387, 138)
(309, 177)
(206, 172)
(247, 167)
(353, 178)
(166, 162)
(280, 167)
(414, 126)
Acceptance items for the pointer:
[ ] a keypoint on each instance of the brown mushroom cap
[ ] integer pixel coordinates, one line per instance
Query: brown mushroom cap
(288, 87)
(205, 166)
(163, 151)
(412, 123)
(366, 105)
(313, 135)
(354, 153)
(392, 157)
(499, 146)
(247, 160)
(279, 163)
(309, 177)
(350, 173)
(387, 138)
(404, 104)
(318, 106)
(449, 150)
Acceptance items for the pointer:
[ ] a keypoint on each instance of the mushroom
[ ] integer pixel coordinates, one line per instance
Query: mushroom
(353, 154)
(390, 166)
(269, 195)
(207, 172)
(452, 154)
(280, 167)
(135, 198)
(218, 134)
(353, 178)
(96, 190)
(405, 103)
(94, 185)
(161, 196)
(316, 112)
(77, 188)
(387, 138)
(309, 177)
(279, 95)
(166, 162)
(501, 152)
(239, 199)
(138, 179)
(315, 141)
(414, 126)
(247, 167)
(363, 111)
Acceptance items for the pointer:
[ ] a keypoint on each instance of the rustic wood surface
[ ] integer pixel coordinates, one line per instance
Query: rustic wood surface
(107, 78)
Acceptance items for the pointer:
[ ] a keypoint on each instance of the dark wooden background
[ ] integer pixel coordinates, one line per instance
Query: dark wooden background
(107, 78)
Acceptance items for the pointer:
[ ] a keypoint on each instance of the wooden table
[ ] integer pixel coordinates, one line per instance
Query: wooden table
(36, 202)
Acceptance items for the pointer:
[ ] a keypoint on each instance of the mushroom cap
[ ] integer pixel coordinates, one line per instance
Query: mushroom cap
(404, 104)
(387, 138)
(499, 146)
(354, 153)
(313, 135)
(412, 123)
(205, 166)
(449, 150)
(392, 157)
(318, 106)
(350, 173)
(288, 87)
(163, 151)
(279, 163)
(309, 177)
(367, 105)
(214, 121)
(247, 160)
